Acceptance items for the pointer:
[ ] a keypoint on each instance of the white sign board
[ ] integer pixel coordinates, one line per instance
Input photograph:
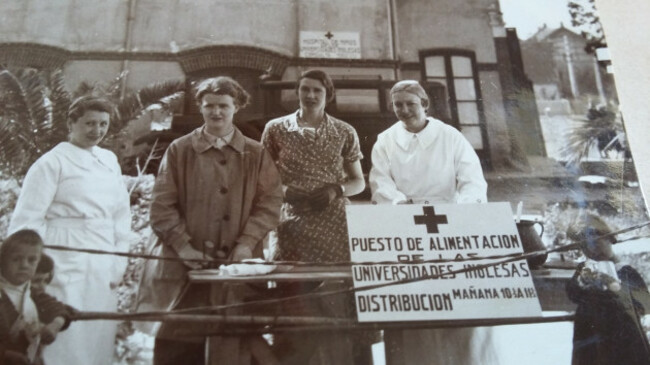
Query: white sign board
(319, 44)
(448, 232)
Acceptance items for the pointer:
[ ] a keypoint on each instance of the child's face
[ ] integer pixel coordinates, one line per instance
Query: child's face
(20, 265)
(40, 281)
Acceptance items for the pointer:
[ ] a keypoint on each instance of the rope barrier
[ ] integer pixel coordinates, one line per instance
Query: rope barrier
(216, 261)
(266, 324)
(517, 257)
(197, 313)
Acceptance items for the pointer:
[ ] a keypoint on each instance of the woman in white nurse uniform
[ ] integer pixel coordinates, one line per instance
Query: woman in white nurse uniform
(74, 196)
(422, 160)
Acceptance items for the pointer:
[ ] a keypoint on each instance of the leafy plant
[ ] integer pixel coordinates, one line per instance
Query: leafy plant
(601, 127)
(34, 106)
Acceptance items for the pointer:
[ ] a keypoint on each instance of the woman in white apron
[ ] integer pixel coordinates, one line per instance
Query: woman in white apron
(421, 160)
(74, 196)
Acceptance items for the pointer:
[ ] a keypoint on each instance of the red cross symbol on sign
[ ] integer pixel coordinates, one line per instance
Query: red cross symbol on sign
(430, 219)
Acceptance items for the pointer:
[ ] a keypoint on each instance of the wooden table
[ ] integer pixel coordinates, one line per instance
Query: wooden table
(549, 283)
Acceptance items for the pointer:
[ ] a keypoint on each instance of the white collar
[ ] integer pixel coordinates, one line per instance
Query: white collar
(217, 141)
(291, 122)
(425, 137)
(82, 157)
(16, 293)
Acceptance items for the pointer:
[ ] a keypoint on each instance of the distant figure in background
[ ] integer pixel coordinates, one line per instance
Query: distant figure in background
(28, 318)
(611, 299)
(421, 160)
(74, 196)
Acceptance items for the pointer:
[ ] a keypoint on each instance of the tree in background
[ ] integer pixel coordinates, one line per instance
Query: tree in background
(585, 17)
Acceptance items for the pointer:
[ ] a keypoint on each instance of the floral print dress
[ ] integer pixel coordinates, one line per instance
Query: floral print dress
(307, 161)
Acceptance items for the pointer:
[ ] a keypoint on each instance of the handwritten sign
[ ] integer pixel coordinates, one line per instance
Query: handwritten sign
(325, 44)
(454, 232)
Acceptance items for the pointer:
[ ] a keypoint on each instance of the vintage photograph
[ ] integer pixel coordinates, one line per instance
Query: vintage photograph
(316, 182)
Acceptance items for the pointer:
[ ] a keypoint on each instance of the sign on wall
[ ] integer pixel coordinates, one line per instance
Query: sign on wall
(319, 44)
(453, 232)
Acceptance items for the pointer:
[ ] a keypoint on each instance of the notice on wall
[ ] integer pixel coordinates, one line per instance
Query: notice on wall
(326, 44)
(452, 235)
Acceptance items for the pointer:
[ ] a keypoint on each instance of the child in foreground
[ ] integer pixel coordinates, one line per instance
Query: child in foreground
(611, 299)
(28, 318)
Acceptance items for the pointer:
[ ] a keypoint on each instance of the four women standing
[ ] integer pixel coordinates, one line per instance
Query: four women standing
(217, 194)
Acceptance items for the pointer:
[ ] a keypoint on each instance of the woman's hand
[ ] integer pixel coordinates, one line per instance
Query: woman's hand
(295, 196)
(322, 197)
(241, 252)
(189, 253)
(299, 199)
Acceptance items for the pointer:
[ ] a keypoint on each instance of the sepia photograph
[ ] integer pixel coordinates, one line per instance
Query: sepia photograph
(323, 182)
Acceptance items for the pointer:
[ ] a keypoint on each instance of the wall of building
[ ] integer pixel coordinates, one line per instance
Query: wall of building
(495, 118)
(367, 17)
(75, 25)
(270, 24)
(435, 24)
(176, 25)
(172, 39)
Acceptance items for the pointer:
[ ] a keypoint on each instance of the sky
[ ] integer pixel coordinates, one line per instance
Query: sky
(528, 15)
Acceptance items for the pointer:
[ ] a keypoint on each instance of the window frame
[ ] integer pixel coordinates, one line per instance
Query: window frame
(453, 102)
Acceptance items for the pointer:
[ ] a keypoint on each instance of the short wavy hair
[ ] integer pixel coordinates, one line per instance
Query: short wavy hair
(19, 238)
(81, 105)
(411, 87)
(223, 85)
(324, 78)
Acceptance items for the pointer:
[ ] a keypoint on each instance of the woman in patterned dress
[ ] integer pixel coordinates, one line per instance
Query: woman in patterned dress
(318, 157)
(319, 161)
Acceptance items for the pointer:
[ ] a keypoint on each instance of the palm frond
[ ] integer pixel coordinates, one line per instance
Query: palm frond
(133, 104)
(61, 100)
(38, 107)
(12, 149)
(598, 127)
(16, 102)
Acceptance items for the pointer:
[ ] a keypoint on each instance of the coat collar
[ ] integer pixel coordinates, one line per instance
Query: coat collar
(201, 144)
(425, 137)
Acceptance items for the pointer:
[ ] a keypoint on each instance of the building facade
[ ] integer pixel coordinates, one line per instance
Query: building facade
(560, 67)
(458, 49)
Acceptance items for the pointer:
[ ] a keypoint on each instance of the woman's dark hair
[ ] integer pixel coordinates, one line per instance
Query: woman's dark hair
(223, 85)
(81, 105)
(324, 78)
(22, 237)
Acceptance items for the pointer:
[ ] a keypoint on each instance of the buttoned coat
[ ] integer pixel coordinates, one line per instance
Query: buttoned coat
(211, 199)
